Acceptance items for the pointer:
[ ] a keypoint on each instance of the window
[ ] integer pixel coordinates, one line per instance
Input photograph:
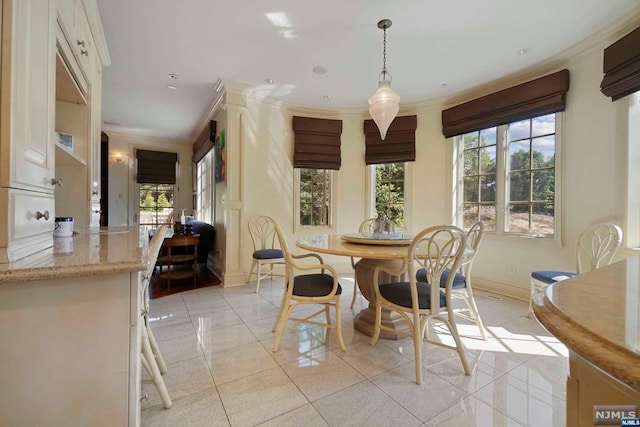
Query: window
(512, 166)
(156, 204)
(390, 191)
(204, 188)
(315, 197)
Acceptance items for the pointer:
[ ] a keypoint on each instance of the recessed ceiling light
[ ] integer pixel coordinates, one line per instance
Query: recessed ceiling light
(174, 76)
(269, 81)
(328, 97)
(171, 87)
(444, 84)
(524, 51)
(319, 69)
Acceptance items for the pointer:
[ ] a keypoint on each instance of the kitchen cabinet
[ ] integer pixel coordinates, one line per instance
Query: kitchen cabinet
(51, 81)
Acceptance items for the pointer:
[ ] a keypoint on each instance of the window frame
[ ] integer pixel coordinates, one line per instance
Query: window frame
(370, 198)
(332, 217)
(173, 205)
(204, 188)
(502, 156)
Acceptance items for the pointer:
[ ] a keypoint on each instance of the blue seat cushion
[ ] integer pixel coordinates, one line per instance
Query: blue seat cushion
(550, 277)
(314, 285)
(399, 293)
(459, 281)
(268, 254)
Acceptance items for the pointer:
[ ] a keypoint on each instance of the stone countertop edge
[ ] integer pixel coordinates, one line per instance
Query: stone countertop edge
(48, 273)
(615, 360)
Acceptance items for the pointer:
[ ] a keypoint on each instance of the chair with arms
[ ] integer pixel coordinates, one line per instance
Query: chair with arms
(365, 227)
(436, 249)
(462, 279)
(151, 358)
(316, 288)
(263, 236)
(596, 246)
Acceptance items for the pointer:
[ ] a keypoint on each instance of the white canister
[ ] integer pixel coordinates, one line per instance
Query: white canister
(64, 226)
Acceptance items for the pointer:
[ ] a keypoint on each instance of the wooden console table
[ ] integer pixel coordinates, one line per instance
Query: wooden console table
(189, 257)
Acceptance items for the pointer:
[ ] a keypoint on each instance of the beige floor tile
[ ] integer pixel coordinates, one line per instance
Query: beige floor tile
(295, 344)
(471, 412)
(173, 330)
(211, 318)
(372, 360)
(363, 404)
(307, 416)
(320, 376)
(548, 373)
(260, 397)
(400, 385)
(179, 348)
(224, 338)
(201, 409)
(239, 362)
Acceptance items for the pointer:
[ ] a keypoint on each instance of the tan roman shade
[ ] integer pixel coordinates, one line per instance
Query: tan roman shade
(621, 67)
(398, 146)
(316, 143)
(538, 97)
(156, 167)
(205, 142)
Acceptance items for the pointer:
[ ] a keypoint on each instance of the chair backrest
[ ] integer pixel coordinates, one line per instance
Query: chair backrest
(152, 256)
(262, 230)
(597, 245)
(474, 238)
(436, 249)
(367, 225)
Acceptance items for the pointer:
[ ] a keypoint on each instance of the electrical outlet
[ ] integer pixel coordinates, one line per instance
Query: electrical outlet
(512, 270)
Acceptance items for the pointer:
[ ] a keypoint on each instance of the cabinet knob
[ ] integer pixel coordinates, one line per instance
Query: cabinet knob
(40, 215)
(95, 193)
(97, 211)
(56, 181)
(81, 43)
(84, 52)
(144, 396)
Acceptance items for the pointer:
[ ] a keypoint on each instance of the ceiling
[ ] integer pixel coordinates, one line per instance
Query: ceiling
(435, 49)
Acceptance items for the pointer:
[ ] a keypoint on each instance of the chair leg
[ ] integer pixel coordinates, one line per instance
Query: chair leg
(283, 320)
(376, 325)
(451, 324)
(258, 280)
(280, 309)
(355, 290)
(475, 314)
(253, 265)
(417, 347)
(156, 350)
(339, 326)
(327, 315)
(155, 371)
(530, 310)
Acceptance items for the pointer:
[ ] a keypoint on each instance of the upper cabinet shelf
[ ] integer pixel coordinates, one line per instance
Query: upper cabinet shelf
(66, 87)
(64, 156)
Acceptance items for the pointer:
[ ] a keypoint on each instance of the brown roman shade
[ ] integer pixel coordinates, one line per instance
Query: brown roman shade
(156, 167)
(621, 67)
(316, 143)
(398, 146)
(538, 97)
(205, 142)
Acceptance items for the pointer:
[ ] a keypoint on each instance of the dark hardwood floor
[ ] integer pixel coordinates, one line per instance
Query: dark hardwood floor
(160, 288)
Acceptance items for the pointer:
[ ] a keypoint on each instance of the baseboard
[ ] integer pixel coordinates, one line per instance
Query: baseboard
(501, 288)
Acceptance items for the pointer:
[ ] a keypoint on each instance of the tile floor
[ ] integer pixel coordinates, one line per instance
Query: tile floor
(221, 371)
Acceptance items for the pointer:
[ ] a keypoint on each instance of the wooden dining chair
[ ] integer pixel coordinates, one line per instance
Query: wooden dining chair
(151, 357)
(435, 249)
(318, 288)
(263, 236)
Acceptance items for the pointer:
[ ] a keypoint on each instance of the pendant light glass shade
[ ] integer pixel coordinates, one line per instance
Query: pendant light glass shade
(384, 103)
(384, 106)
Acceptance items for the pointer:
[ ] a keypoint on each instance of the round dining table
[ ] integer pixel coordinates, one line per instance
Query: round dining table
(372, 253)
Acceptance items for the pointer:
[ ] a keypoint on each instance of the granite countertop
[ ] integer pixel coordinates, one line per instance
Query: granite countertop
(88, 253)
(596, 315)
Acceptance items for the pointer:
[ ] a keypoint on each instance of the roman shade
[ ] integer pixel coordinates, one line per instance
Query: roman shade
(204, 142)
(156, 167)
(316, 143)
(538, 97)
(398, 146)
(621, 67)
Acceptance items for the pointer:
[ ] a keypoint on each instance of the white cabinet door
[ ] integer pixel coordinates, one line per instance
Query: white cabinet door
(95, 128)
(29, 92)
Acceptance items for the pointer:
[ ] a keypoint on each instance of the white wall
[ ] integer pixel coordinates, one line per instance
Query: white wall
(122, 194)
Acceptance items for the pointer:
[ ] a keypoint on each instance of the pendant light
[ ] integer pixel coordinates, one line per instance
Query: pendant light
(384, 103)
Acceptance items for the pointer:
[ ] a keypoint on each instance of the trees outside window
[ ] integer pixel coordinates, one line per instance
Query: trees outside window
(513, 166)
(156, 204)
(390, 191)
(315, 197)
